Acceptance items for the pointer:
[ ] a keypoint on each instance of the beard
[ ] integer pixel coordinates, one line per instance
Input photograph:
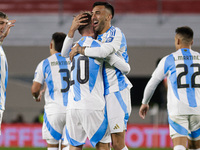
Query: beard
(100, 28)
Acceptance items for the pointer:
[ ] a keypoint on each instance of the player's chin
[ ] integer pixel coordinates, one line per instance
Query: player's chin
(95, 26)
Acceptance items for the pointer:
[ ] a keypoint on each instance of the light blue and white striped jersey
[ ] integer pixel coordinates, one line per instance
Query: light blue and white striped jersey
(87, 90)
(183, 77)
(4, 78)
(54, 71)
(114, 80)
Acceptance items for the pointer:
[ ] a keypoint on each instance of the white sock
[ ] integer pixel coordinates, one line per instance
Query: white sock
(194, 149)
(125, 148)
(52, 148)
(179, 147)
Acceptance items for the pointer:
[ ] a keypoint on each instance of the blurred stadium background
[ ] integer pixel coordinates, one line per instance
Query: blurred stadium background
(149, 27)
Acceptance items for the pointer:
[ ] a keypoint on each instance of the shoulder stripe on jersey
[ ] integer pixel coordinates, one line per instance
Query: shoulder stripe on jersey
(3, 78)
(124, 44)
(121, 80)
(123, 41)
(95, 44)
(94, 74)
(105, 80)
(170, 66)
(190, 90)
(48, 75)
(76, 87)
(6, 79)
(64, 75)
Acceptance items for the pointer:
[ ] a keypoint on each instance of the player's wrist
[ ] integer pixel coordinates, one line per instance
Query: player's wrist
(81, 50)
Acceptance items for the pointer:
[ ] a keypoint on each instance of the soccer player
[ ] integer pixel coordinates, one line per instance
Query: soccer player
(81, 20)
(86, 115)
(117, 86)
(5, 25)
(182, 69)
(53, 72)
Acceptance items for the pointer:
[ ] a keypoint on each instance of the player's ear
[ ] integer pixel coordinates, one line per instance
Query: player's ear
(51, 45)
(109, 17)
(192, 42)
(178, 41)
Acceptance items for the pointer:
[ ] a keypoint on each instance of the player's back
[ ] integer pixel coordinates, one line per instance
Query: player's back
(4, 78)
(183, 67)
(114, 80)
(56, 73)
(86, 91)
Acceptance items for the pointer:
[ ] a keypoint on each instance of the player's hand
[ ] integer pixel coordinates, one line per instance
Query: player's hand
(74, 51)
(7, 29)
(38, 99)
(76, 23)
(143, 110)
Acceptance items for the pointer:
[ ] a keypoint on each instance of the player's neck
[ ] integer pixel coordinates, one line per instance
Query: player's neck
(106, 28)
(185, 46)
(88, 34)
(53, 52)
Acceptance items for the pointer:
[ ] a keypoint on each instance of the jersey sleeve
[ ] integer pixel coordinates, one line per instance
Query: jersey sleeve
(67, 45)
(99, 52)
(111, 45)
(118, 63)
(157, 76)
(39, 75)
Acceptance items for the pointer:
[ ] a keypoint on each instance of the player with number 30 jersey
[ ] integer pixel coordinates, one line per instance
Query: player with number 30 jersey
(53, 73)
(47, 71)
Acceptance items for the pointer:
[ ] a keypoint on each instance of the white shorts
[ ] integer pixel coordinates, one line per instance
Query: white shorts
(185, 125)
(81, 124)
(118, 110)
(53, 127)
(1, 118)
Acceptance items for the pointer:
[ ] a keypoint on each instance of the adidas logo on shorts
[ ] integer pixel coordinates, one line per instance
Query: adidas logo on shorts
(116, 127)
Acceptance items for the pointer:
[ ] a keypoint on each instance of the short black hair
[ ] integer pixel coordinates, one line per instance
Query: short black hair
(107, 5)
(3, 15)
(58, 38)
(88, 21)
(186, 32)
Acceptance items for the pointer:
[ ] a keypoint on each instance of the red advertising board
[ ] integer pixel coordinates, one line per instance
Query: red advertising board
(30, 135)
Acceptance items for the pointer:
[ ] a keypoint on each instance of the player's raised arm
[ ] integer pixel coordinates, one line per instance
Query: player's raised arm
(67, 45)
(110, 46)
